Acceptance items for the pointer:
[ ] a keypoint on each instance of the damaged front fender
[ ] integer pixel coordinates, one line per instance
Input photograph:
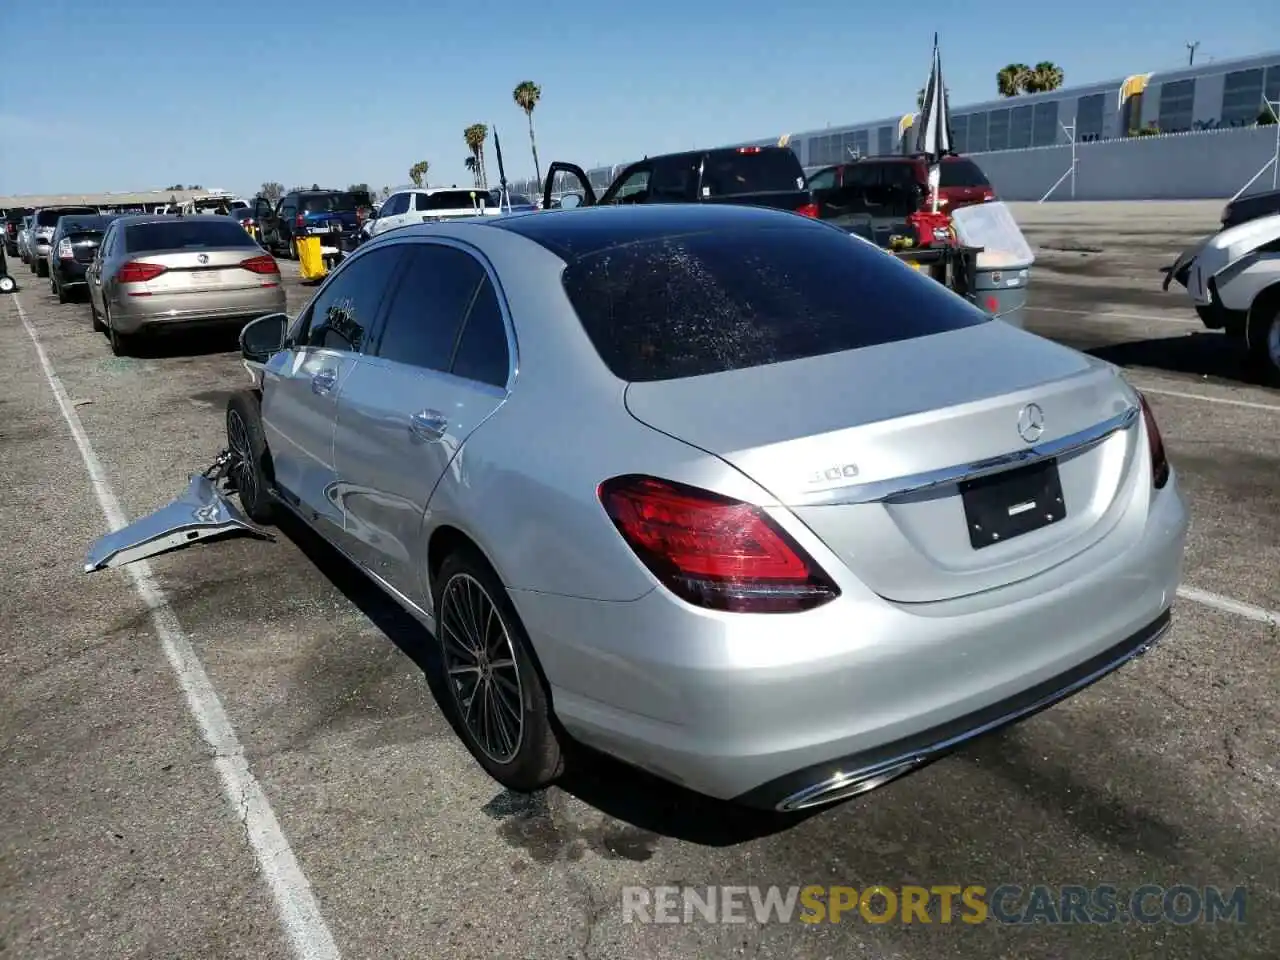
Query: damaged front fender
(202, 512)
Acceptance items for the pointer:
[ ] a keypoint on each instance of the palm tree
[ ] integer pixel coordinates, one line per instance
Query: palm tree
(1012, 80)
(1043, 77)
(418, 172)
(527, 94)
(475, 136)
(474, 167)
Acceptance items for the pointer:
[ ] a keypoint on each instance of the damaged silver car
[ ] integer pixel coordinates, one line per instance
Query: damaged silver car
(1233, 280)
(708, 488)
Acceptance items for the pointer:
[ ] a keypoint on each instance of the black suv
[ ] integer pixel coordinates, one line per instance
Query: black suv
(333, 214)
(754, 176)
(73, 246)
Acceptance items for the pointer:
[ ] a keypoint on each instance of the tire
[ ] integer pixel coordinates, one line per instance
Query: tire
(42, 269)
(1262, 339)
(537, 759)
(120, 343)
(252, 472)
(7, 284)
(94, 318)
(59, 291)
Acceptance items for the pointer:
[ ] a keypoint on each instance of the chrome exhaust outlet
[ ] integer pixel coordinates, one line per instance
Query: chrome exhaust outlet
(842, 786)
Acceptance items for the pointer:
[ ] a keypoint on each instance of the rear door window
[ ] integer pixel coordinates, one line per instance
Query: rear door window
(728, 173)
(435, 292)
(482, 353)
(716, 301)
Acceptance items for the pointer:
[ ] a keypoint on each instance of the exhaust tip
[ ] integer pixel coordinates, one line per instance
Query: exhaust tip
(843, 786)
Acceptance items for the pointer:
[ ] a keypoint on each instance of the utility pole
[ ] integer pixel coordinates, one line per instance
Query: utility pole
(1191, 53)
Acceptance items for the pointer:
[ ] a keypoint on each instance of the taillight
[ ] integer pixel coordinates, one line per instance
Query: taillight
(138, 272)
(264, 263)
(1155, 443)
(64, 250)
(989, 195)
(808, 210)
(748, 149)
(713, 551)
(299, 221)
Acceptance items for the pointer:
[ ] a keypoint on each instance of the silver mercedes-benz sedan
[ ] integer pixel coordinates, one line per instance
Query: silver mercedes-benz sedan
(721, 491)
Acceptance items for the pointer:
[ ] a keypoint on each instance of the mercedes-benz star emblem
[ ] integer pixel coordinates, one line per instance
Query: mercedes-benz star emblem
(203, 258)
(1031, 422)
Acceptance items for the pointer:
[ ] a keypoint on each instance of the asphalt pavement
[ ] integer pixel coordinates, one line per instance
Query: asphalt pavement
(241, 756)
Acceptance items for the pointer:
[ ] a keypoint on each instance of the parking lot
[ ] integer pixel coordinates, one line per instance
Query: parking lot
(355, 823)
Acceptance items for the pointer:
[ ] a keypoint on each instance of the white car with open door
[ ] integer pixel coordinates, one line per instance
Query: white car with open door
(1233, 279)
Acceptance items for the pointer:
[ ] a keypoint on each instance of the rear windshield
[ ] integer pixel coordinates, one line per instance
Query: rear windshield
(963, 173)
(50, 218)
(69, 225)
(451, 200)
(333, 203)
(189, 233)
(710, 302)
(728, 172)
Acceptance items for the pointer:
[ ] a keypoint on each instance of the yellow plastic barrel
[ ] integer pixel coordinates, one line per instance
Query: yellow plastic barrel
(310, 259)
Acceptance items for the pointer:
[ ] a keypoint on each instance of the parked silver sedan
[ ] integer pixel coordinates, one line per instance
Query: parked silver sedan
(721, 491)
(157, 272)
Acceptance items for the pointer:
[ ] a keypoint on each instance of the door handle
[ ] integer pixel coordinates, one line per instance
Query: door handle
(324, 380)
(430, 425)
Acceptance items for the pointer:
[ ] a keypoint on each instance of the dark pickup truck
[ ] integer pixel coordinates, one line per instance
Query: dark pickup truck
(756, 176)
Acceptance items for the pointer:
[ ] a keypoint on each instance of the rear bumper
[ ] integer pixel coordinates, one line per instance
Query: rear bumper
(758, 708)
(69, 273)
(135, 314)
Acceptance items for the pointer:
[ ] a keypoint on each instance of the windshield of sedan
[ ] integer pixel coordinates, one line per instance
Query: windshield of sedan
(684, 306)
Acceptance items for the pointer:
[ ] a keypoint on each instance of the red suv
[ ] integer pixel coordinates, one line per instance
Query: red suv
(963, 182)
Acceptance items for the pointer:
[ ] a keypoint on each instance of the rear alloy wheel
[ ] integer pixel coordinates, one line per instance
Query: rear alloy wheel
(248, 446)
(1262, 339)
(501, 705)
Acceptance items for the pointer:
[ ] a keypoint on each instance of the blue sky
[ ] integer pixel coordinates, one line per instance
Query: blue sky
(135, 94)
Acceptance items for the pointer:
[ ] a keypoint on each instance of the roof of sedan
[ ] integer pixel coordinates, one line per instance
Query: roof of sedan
(583, 231)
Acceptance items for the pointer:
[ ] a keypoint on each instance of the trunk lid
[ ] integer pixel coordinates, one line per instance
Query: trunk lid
(827, 436)
(185, 273)
(84, 245)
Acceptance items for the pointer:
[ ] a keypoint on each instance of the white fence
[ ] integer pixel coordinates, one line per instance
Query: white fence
(1199, 165)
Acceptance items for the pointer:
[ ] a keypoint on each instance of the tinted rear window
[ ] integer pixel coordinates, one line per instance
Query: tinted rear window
(188, 233)
(451, 200)
(333, 202)
(715, 301)
(728, 172)
(963, 173)
(50, 218)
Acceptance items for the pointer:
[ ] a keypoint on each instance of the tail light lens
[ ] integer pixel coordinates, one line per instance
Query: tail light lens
(1155, 443)
(299, 221)
(808, 210)
(989, 195)
(713, 551)
(138, 272)
(264, 263)
(64, 250)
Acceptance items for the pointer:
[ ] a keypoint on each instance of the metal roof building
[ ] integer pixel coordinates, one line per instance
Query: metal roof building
(122, 198)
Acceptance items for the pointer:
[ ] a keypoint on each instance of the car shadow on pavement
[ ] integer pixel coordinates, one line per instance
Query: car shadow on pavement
(617, 790)
(1198, 354)
(200, 342)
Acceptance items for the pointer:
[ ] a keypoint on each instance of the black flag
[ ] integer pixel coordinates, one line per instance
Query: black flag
(502, 171)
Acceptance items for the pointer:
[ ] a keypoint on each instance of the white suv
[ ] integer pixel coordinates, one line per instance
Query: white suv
(430, 203)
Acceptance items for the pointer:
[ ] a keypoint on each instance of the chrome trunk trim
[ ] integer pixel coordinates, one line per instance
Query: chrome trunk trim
(880, 490)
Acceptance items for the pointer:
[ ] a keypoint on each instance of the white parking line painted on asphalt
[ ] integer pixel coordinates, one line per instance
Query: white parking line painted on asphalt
(1112, 313)
(1228, 605)
(299, 912)
(1250, 404)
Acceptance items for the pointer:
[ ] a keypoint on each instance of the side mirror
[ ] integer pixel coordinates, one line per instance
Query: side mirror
(570, 200)
(263, 337)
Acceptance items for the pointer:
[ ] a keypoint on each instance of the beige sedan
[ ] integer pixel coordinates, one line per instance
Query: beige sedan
(161, 271)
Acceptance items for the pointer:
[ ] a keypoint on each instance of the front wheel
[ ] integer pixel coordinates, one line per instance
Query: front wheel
(496, 691)
(250, 471)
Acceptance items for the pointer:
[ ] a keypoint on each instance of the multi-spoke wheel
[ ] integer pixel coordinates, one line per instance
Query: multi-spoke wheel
(481, 665)
(1262, 337)
(249, 449)
(498, 695)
